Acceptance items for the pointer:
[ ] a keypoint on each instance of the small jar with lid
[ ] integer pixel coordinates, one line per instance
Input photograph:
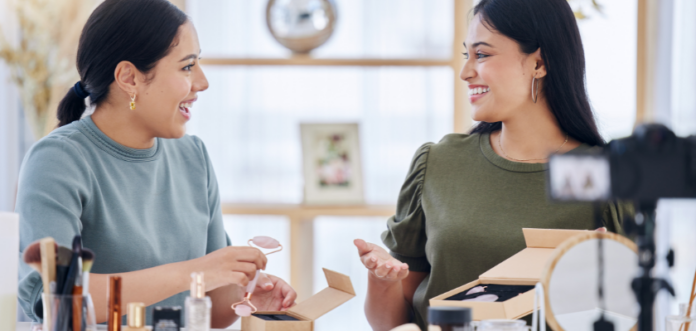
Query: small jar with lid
(449, 319)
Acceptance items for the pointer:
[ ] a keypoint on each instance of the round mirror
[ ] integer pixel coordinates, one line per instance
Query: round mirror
(571, 283)
(301, 25)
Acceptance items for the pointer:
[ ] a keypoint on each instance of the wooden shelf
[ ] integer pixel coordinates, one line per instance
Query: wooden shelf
(302, 60)
(300, 212)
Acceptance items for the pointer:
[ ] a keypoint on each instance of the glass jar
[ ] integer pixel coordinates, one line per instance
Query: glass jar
(449, 319)
(683, 321)
(67, 313)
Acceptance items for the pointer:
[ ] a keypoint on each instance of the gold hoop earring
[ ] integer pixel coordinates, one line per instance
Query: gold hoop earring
(535, 89)
(132, 103)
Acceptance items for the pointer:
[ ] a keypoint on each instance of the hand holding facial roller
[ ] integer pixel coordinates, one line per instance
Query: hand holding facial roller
(245, 307)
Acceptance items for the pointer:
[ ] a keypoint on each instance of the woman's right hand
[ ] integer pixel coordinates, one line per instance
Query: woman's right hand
(379, 263)
(229, 265)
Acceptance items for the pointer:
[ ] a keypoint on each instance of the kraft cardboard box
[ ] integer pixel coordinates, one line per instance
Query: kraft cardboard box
(301, 317)
(522, 270)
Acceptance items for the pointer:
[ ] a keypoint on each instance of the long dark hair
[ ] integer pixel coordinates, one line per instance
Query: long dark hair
(139, 31)
(551, 26)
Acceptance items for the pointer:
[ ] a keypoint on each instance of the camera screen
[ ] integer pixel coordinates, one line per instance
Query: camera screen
(579, 177)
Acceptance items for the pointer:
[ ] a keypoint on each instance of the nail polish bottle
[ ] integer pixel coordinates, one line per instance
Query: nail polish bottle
(198, 305)
(136, 317)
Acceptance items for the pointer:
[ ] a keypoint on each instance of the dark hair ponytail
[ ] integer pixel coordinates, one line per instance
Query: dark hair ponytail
(551, 26)
(138, 31)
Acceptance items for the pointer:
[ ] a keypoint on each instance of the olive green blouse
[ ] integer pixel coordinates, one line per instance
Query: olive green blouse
(462, 208)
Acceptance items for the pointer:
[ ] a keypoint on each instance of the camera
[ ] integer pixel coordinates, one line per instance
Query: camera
(652, 163)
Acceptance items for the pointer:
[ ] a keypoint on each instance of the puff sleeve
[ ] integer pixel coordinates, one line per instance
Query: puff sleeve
(614, 214)
(406, 233)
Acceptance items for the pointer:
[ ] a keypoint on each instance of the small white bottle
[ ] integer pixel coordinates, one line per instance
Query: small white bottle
(198, 305)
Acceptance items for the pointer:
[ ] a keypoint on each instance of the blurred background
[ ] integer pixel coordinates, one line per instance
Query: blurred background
(391, 66)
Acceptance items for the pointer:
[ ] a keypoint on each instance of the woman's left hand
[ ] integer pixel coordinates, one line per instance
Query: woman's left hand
(273, 294)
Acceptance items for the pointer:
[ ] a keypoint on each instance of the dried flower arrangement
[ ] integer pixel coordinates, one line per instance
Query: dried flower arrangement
(42, 62)
(577, 6)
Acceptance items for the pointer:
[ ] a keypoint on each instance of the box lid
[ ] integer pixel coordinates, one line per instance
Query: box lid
(525, 267)
(339, 291)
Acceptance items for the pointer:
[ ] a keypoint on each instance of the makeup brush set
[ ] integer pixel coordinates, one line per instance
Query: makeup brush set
(65, 276)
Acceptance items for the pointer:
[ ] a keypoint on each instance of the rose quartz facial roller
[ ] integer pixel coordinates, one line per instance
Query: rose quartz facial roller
(267, 243)
(477, 289)
(245, 307)
(484, 298)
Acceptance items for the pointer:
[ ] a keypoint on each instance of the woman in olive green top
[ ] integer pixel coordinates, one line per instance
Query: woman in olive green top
(466, 199)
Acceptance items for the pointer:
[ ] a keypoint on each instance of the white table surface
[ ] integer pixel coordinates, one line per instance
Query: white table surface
(26, 326)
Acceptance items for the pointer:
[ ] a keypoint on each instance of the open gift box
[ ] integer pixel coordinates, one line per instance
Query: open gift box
(515, 277)
(301, 316)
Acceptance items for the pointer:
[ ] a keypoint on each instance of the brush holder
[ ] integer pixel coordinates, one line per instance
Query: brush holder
(69, 313)
(683, 321)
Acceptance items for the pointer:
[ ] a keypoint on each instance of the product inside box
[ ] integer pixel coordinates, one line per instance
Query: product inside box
(503, 292)
(276, 317)
(304, 313)
(518, 274)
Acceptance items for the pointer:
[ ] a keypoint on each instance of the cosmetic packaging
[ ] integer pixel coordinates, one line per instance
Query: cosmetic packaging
(512, 281)
(166, 318)
(114, 298)
(449, 319)
(9, 259)
(198, 305)
(136, 317)
(301, 317)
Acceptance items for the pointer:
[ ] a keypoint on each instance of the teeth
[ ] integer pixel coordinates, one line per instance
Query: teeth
(479, 90)
(185, 105)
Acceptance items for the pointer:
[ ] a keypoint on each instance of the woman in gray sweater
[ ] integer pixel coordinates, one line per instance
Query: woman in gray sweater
(141, 193)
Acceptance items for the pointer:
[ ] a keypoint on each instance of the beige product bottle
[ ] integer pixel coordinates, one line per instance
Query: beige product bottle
(136, 317)
(198, 305)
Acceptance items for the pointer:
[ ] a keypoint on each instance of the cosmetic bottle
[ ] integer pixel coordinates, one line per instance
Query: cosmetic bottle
(166, 318)
(136, 317)
(198, 305)
(449, 319)
(114, 297)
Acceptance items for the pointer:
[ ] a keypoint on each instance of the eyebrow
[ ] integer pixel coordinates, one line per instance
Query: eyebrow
(479, 43)
(189, 57)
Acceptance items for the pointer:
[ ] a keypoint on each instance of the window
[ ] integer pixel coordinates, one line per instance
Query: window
(249, 120)
(609, 39)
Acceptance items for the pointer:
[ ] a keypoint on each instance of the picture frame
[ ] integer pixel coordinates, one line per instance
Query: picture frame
(332, 165)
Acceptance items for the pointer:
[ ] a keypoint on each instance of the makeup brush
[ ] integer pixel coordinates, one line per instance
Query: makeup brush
(32, 256)
(75, 267)
(79, 289)
(87, 261)
(48, 264)
(63, 255)
(63, 258)
(66, 286)
(48, 275)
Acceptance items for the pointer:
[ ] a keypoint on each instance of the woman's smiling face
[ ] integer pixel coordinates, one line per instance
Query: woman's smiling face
(164, 102)
(498, 73)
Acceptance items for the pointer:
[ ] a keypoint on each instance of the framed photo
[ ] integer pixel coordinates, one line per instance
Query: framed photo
(331, 164)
